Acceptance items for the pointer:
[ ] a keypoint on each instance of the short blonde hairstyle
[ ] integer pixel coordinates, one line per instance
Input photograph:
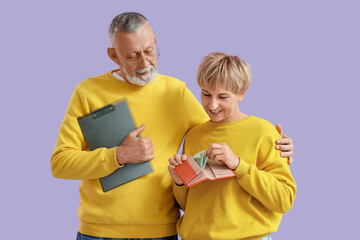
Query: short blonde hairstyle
(221, 69)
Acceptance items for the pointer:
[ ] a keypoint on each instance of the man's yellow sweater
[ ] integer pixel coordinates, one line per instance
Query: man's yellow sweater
(145, 207)
(248, 206)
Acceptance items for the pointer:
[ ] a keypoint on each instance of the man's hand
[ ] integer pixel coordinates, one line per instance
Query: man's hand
(285, 144)
(176, 161)
(135, 150)
(221, 152)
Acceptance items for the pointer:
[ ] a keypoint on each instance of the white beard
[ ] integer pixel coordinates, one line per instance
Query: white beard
(139, 81)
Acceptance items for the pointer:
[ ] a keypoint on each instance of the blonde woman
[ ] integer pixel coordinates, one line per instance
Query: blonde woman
(249, 205)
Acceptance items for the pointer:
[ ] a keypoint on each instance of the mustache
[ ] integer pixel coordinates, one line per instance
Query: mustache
(144, 69)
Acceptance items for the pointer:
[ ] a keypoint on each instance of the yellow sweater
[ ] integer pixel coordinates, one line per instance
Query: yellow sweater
(248, 206)
(143, 208)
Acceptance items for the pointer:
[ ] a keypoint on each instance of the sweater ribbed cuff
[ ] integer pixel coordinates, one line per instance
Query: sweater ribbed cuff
(242, 170)
(109, 156)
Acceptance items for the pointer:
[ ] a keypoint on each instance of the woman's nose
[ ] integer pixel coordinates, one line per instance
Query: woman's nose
(213, 104)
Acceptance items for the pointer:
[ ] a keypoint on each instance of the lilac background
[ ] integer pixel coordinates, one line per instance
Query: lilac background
(304, 58)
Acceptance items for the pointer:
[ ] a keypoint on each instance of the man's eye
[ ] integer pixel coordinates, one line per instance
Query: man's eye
(206, 95)
(223, 97)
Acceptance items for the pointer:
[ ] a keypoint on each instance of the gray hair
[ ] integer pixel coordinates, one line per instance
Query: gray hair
(126, 22)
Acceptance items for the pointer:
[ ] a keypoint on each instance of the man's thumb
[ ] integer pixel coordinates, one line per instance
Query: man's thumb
(137, 131)
(279, 129)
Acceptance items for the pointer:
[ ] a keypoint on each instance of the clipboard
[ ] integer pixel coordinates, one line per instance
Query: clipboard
(108, 127)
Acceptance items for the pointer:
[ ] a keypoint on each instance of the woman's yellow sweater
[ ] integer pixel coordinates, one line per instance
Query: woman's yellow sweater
(248, 206)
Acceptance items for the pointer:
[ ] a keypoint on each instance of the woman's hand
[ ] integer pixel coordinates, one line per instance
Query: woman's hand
(176, 161)
(285, 144)
(221, 152)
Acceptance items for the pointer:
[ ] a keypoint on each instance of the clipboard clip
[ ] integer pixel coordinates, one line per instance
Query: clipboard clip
(102, 111)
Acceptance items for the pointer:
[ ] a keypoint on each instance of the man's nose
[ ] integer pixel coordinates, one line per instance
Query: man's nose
(144, 61)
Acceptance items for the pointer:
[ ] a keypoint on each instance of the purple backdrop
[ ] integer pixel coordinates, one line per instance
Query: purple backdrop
(304, 58)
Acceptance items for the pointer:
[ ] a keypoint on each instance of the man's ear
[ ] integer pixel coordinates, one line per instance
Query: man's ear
(112, 54)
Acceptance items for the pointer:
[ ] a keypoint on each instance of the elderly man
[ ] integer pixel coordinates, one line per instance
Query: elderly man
(145, 207)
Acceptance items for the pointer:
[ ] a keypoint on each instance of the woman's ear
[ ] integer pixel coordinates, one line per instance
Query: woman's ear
(241, 97)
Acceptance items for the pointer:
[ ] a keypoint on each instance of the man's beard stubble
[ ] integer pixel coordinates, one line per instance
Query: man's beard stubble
(138, 81)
